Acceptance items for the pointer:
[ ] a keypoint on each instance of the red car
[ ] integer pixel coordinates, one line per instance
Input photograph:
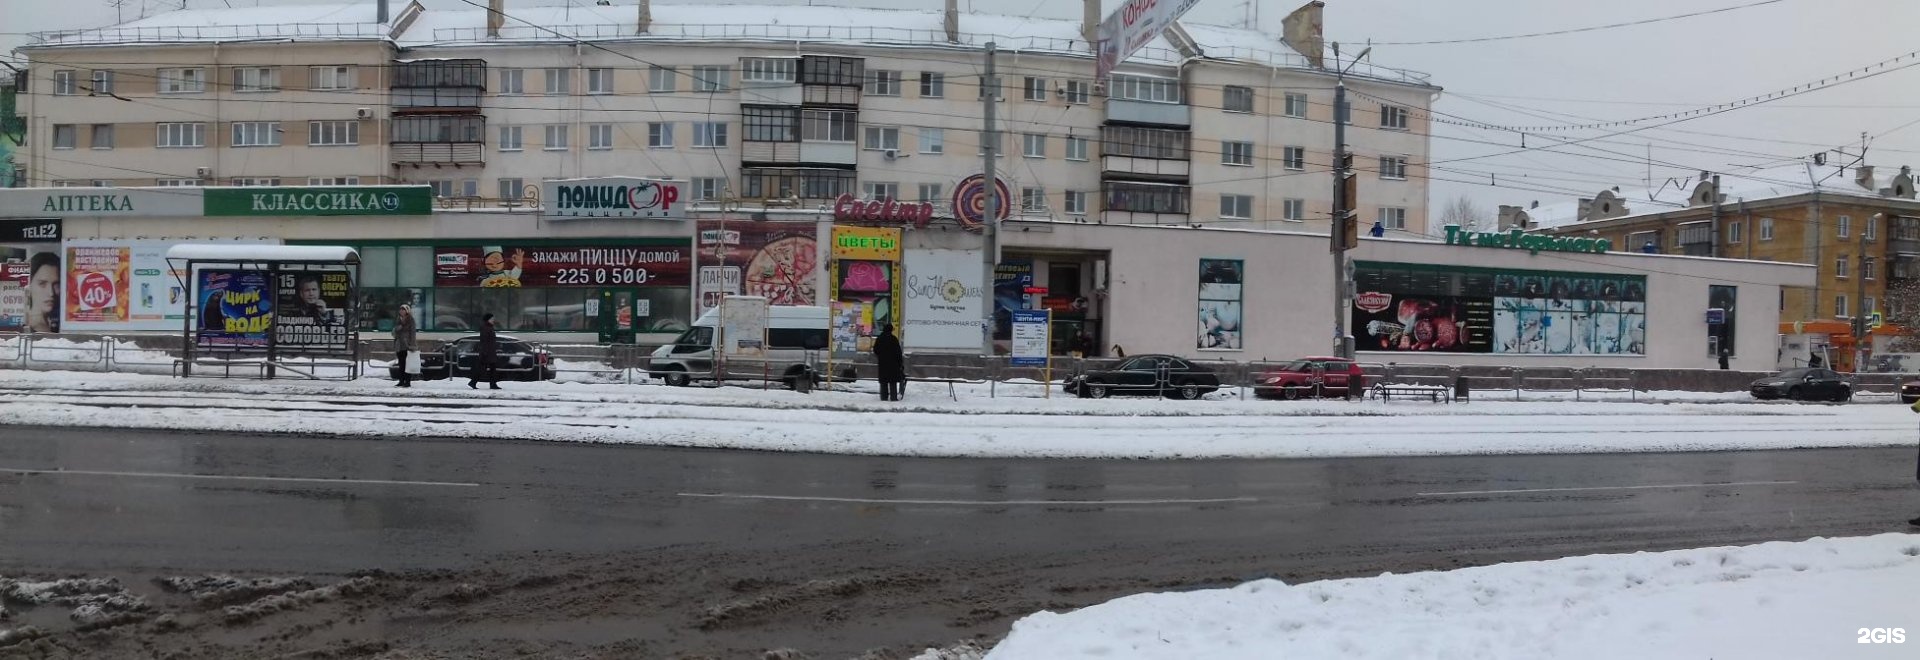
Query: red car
(1314, 376)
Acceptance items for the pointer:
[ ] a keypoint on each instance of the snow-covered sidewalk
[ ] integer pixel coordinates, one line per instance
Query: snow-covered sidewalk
(1822, 598)
(933, 423)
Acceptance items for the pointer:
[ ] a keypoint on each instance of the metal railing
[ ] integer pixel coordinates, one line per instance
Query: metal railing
(173, 33)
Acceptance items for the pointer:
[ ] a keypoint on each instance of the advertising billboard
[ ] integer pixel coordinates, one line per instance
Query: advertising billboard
(614, 197)
(509, 266)
(1450, 309)
(121, 285)
(772, 260)
(30, 275)
(1221, 299)
(1131, 26)
(236, 308)
(310, 309)
(941, 302)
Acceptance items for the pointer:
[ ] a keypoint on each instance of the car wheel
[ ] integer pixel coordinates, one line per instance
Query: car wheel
(1096, 391)
(1844, 396)
(1191, 392)
(1290, 393)
(1794, 394)
(1909, 400)
(678, 378)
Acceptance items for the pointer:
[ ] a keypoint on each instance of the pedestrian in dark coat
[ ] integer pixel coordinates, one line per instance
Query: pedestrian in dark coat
(405, 341)
(489, 358)
(893, 364)
(1724, 354)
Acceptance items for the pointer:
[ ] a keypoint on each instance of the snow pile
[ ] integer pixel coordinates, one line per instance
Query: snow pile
(96, 602)
(1781, 600)
(217, 589)
(236, 614)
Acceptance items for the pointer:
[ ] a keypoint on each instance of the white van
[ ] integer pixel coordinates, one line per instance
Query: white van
(796, 339)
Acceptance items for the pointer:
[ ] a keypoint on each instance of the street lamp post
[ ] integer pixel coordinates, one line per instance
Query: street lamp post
(1342, 232)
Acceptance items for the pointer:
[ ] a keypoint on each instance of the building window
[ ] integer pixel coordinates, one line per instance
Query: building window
(710, 135)
(1294, 210)
(513, 81)
(662, 79)
(1033, 199)
(559, 82)
(333, 181)
(933, 85)
(556, 138)
(333, 133)
(1142, 88)
(257, 181)
(990, 86)
(1077, 202)
(827, 125)
(802, 183)
(768, 69)
(770, 124)
(1079, 92)
(513, 189)
(999, 147)
(66, 136)
(1867, 265)
(100, 183)
(930, 192)
(710, 78)
(1844, 226)
(1840, 266)
(102, 83)
(102, 136)
(1393, 217)
(837, 71)
(510, 138)
(256, 134)
(1034, 89)
(1295, 158)
(1137, 142)
(1840, 305)
(1868, 231)
(660, 135)
(1033, 145)
(1866, 305)
(1393, 167)
(879, 190)
(883, 83)
(1076, 148)
(708, 189)
(63, 83)
(599, 137)
(1393, 116)
(1296, 105)
(256, 79)
(1236, 153)
(178, 183)
(882, 138)
(933, 140)
(599, 81)
(1766, 229)
(1733, 231)
(183, 81)
(442, 188)
(180, 135)
(1238, 99)
(1236, 206)
(330, 78)
(1146, 198)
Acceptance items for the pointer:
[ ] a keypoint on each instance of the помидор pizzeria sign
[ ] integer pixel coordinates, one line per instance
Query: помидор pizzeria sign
(1520, 240)
(613, 197)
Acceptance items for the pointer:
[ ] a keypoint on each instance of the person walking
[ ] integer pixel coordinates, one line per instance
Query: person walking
(1724, 354)
(405, 338)
(483, 368)
(893, 367)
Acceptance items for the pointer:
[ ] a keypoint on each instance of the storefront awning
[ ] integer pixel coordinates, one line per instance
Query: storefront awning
(257, 253)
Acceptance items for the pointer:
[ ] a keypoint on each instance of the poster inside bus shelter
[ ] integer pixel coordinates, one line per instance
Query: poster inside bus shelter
(311, 312)
(236, 308)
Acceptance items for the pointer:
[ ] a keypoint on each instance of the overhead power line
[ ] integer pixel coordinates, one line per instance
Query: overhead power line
(1592, 28)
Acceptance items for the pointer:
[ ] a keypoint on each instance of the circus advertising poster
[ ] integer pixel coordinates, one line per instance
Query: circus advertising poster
(773, 260)
(1450, 309)
(236, 308)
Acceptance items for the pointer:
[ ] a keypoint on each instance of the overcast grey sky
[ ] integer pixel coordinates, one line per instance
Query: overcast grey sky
(1605, 75)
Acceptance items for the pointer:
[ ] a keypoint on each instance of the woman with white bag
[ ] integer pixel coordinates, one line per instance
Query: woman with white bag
(403, 344)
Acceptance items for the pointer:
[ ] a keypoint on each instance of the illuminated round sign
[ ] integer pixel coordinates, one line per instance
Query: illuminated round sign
(970, 200)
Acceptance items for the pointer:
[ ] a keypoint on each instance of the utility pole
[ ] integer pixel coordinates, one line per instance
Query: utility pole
(1342, 233)
(1713, 228)
(990, 137)
(1861, 331)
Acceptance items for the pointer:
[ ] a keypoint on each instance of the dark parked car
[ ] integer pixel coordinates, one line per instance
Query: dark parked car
(1314, 376)
(1910, 392)
(1158, 375)
(1806, 384)
(520, 360)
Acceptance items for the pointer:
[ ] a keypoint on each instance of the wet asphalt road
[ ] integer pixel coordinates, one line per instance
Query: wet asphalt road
(312, 505)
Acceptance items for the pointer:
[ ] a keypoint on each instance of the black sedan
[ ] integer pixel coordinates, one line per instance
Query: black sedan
(1806, 384)
(519, 360)
(1156, 375)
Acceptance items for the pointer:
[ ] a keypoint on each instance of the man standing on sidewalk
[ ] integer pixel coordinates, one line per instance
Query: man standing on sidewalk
(405, 340)
(892, 362)
(489, 357)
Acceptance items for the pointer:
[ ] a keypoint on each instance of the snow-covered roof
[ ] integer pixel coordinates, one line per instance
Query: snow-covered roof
(250, 253)
(1675, 193)
(321, 22)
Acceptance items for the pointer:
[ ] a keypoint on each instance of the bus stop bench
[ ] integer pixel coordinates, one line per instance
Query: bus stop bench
(1434, 393)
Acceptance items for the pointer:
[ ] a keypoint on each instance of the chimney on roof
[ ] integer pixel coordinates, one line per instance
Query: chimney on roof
(1902, 184)
(1863, 175)
(1514, 217)
(1090, 22)
(1301, 30)
(951, 21)
(380, 12)
(646, 16)
(496, 16)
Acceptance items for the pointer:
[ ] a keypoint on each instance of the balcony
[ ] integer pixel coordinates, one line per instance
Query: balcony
(1142, 203)
(798, 153)
(1149, 112)
(435, 101)
(438, 86)
(457, 154)
(1146, 167)
(1696, 239)
(771, 93)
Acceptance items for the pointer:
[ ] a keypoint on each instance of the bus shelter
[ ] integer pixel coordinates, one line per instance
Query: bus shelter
(285, 308)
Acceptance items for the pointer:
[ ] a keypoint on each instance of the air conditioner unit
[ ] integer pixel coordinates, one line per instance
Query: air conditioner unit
(363, 113)
(203, 172)
(890, 154)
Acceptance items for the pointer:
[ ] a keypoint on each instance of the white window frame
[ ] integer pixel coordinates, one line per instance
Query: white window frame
(1033, 200)
(1766, 229)
(1393, 168)
(333, 181)
(556, 137)
(72, 140)
(933, 85)
(662, 79)
(100, 183)
(709, 189)
(933, 140)
(1079, 92)
(1393, 117)
(599, 81)
(710, 135)
(1034, 88)
(1227, 94)
(1735, 229)
(1840, 307)
(63, 83)
(102, 80)
(513, 82)
(94, 133)
(512, 138)
(1294, 158)
(1867, 266)
(255, 134)
(559, 81)
(710, 79)
(840, 126)
(1076, 202)
(880, 138)
(1293, 209)
(1842, 266)
(256, 80)
(333, 133)
(1033, 145)
(770, 70)
(180, 135)
(882, 83)
(1236, 207)
(1236, 153)
(512, 188)
(1866, 305)
(1843, 226)
(1868, 231)
(1146, 89)
(179, 183)
(659, 135)
(330, 78)
(599, 137)
(1077, 148)
(256, 181)
(932, 192)
(1392, 217)
(878, 190)
(442, 188)
(179, 81)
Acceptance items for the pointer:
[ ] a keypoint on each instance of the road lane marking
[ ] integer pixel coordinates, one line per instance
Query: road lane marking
(232, 477)
(1588, 488)
(863, 500)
